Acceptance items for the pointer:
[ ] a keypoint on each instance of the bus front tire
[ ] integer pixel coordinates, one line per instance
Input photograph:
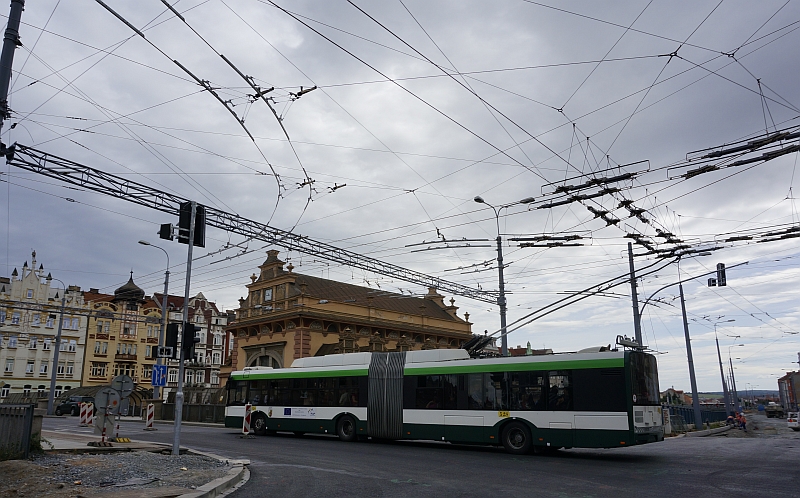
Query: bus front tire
(516, 438)
(346, 428)
(260, 425)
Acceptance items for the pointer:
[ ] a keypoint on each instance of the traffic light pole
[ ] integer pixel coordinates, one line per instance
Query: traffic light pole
(176, 441)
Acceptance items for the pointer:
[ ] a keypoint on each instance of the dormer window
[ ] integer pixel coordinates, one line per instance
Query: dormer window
(29, 294)
(267, 295)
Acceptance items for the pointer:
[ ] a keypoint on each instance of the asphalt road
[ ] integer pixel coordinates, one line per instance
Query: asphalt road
(762, 462)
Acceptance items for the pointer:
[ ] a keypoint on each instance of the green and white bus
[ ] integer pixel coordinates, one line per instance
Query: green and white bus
(595, 398)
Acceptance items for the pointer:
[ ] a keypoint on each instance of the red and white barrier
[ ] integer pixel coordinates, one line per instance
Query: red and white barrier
(86, 414)
(151, 413)
(246, 421)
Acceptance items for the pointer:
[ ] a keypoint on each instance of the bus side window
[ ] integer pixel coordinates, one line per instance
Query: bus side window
(349, 391)
(363, 390)
(450, 400)
(525, 390)
(559, 392)
(496, 391)
(475, 391)
(429, 392)
(280, 392)
(327, 392)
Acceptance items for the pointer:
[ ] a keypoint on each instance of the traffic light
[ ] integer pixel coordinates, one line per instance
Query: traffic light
(721, 280)
(165, 232)
(185, 221)
(189, 340)
(171, 340)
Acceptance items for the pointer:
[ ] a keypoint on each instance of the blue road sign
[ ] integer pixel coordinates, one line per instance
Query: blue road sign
(159, 376)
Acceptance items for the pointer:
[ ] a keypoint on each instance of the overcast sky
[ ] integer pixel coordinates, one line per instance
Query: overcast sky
(419, 107)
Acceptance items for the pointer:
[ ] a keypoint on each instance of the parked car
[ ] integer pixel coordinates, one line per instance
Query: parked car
(72, 405)
(791, 420)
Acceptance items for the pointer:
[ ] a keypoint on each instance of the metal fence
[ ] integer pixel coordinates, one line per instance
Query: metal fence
(686, 413)
(16, 423)
(195, 413)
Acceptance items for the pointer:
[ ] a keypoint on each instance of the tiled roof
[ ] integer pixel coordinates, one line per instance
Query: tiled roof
(173, 302)
(337, 291)
(96, 297)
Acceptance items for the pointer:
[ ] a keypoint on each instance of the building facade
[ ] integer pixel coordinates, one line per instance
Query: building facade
(789, 390)
(203, 370)
(30, 310)
(287, 315)
(122, 336)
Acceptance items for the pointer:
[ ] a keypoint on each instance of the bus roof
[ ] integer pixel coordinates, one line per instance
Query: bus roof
(438, 361)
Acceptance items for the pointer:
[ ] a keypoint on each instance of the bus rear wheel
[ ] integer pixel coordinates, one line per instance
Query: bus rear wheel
(346, 428)
(516, 438)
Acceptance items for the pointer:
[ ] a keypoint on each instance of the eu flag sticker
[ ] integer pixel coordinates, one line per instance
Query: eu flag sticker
(287, 412)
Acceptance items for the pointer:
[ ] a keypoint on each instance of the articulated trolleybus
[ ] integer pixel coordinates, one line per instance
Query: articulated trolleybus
(590, 399)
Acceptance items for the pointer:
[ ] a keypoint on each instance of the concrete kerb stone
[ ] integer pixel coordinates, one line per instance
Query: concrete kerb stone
(234, 478)
(709, 432)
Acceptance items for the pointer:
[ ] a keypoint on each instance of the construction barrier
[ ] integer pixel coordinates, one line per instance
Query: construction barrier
(246, 422)
(151, 413)
(86, 414)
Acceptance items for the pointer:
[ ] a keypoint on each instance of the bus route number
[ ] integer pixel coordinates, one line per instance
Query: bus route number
(503, 414)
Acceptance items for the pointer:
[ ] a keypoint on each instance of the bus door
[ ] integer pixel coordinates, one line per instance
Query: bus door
(560, 405)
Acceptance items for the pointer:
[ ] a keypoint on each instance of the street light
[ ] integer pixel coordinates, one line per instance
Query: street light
(733, 377)
(156, 389)
(501, 298)
(725, 393)
(54, 371)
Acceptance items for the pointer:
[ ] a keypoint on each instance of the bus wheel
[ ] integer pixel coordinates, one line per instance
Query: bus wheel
(517, 438)
(346, 428)
(260, 425)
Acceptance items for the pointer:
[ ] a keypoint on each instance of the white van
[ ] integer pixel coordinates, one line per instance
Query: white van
(792, 421)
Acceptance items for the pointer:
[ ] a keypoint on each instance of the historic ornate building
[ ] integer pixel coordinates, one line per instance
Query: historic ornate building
(30, 307)
(122, 335)
(287, 315)
(210, 354)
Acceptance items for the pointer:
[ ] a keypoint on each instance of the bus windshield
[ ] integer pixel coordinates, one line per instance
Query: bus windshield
(644, 379)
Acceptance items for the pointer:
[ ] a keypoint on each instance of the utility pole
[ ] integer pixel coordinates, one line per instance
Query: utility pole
(637, 326)
(56, 349)
(733, 385)
(501, 299)
(722, 375)
(10, 43)
(698, 417)
(176, 441)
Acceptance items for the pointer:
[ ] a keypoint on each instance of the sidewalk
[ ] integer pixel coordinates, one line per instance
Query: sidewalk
(67, 442)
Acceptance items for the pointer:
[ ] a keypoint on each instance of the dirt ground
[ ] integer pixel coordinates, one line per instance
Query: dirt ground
(123, 475)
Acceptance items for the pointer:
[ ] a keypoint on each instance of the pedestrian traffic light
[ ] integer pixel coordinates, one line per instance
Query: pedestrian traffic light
(189, 340)
(721, 280)
(185, 221)
(171, 340)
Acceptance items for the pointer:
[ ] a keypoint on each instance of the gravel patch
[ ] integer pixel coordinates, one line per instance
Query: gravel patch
(53, 474)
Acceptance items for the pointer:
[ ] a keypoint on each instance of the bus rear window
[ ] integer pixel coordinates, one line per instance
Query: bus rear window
(644, 379)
